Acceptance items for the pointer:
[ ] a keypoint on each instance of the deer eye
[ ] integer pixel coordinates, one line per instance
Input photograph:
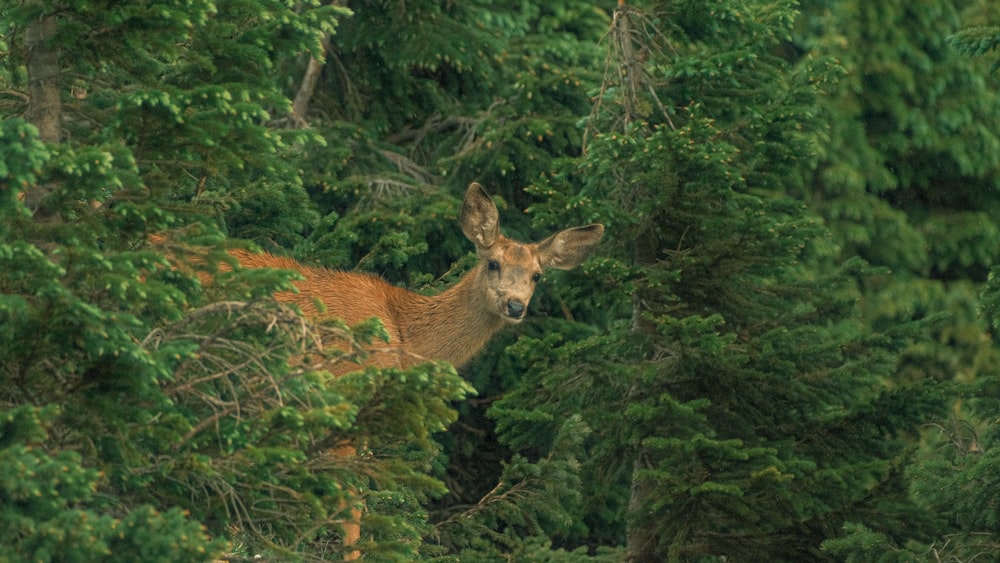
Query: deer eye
(493, 266)
(536, 277)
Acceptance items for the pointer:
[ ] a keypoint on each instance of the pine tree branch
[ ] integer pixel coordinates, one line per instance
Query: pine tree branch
(488, 500)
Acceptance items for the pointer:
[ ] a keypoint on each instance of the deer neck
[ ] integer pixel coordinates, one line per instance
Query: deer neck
(452, 326)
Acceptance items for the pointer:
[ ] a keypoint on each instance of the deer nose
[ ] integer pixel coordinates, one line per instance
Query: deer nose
(515, 309)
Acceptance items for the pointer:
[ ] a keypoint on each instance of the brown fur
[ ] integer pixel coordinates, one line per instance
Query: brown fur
(420, 328)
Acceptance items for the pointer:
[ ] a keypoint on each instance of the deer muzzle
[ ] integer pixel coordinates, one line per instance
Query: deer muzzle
(515, 309)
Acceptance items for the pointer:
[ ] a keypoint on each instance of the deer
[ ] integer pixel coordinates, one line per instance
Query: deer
(455, 325)
(452, 326)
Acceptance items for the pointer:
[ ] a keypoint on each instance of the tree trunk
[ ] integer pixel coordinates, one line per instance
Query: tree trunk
(641, 542)
(44, 106)
(643, 535)
(300, 106)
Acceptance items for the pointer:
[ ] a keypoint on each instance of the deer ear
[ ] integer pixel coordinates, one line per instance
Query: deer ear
(567, 249)
(480, 218)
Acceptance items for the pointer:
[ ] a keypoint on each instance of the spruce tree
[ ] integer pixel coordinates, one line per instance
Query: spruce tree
(727, 379)
(177, 408)
(738, 400)
(908, 179)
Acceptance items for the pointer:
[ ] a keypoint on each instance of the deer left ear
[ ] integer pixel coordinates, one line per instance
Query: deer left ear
(568, 249)
(480, 218)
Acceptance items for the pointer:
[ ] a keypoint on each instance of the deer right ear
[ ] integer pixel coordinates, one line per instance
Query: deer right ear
(568, 249)
(480, 218)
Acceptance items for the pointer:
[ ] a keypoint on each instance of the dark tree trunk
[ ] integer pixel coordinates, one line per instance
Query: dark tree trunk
(642, 539)
(44, 106)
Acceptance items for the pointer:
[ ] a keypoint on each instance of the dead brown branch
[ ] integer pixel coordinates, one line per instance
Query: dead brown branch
(632, 41)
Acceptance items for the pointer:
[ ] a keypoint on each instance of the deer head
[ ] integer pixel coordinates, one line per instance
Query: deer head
(508, 271)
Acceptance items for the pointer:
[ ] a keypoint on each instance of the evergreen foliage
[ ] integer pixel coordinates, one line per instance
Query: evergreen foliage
(172, 396)
(785, 349)
(978, 41)
(728, 442)
(913, 117)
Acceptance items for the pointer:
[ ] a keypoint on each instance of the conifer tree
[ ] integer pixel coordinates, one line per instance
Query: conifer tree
(738, 400)
(908, 179)
(727, 379)
(173, 407)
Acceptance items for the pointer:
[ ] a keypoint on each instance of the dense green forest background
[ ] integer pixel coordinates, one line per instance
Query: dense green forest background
(783, 351)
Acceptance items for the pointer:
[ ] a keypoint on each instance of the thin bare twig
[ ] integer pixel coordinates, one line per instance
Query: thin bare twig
(632, 40)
